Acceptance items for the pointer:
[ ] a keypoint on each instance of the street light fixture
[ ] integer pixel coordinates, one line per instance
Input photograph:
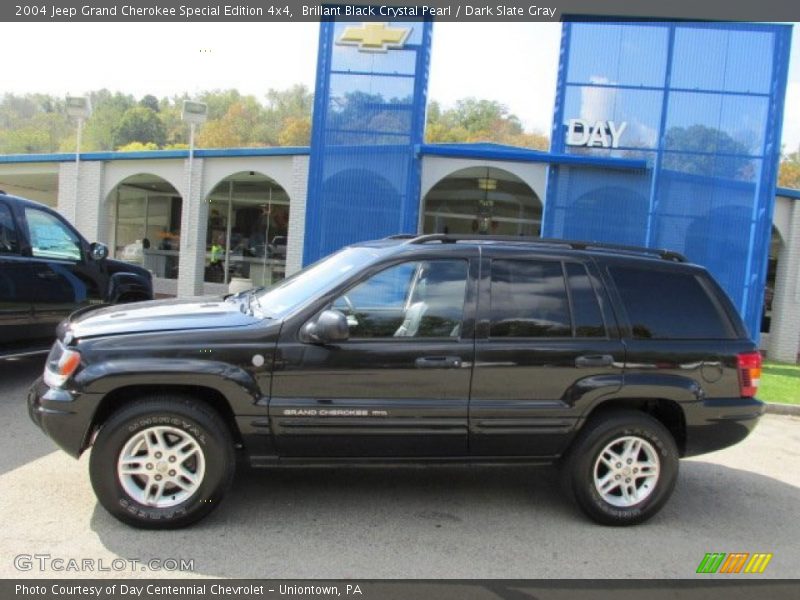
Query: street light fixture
(80, 109)
(194, 113)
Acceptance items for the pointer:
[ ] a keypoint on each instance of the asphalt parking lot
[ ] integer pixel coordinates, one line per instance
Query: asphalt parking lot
(436, 522)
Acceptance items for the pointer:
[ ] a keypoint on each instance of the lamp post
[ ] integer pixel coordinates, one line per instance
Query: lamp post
(194, 113)
(79, 108)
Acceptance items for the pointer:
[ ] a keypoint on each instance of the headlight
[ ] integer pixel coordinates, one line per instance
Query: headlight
(61, 364)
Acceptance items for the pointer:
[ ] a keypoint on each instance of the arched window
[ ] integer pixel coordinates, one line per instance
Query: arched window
(483, 200)
(147, 224)
(247, 230)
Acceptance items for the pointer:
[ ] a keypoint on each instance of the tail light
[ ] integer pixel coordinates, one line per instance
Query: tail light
(749, 364)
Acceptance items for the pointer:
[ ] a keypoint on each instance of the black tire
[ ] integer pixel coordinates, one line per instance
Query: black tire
(189, 416)
(578, 467)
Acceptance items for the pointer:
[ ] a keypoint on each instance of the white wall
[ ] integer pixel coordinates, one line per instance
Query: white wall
(784, 335)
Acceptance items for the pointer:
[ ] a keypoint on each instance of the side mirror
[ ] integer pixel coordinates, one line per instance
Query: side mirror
(98, 251)
(330, 326)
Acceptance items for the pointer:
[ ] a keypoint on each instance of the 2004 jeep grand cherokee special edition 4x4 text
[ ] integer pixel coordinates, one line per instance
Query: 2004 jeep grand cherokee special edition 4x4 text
(613, 361)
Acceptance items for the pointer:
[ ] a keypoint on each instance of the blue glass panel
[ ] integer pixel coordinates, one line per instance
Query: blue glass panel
(597, 205)
(716, 139)
(369, 114)
(709, 217)
(742, 118)
(717, 123)
(640, 109)
(717, 58)
(613, 53)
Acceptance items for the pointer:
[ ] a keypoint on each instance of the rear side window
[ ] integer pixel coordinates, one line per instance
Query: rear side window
(8, 233)
(665, 305)
(529, 299)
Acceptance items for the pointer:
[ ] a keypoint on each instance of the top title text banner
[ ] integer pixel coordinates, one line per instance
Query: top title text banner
(442, 10)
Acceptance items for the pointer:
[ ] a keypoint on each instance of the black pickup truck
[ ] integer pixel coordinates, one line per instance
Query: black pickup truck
(48, 270)
(612, 361)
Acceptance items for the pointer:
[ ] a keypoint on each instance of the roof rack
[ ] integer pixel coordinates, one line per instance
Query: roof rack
(446, 238)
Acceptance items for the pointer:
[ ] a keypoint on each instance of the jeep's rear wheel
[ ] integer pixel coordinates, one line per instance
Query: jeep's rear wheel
(622, 468)
(162, 463)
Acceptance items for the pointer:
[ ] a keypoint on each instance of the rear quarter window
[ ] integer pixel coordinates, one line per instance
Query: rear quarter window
(662, 304)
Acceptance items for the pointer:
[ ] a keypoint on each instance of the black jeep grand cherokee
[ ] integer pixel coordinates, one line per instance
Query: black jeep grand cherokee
(613, 361)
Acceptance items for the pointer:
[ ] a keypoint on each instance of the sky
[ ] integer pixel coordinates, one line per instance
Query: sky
(482, 60)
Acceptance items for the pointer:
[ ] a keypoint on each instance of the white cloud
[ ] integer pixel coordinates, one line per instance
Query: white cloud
(597, 103)
(514, 63)
(159, 58)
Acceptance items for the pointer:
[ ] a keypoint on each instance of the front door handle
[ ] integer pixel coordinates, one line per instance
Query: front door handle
(438, 362)
(594, 360)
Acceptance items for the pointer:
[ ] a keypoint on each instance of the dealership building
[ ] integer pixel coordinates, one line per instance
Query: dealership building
(665, 135)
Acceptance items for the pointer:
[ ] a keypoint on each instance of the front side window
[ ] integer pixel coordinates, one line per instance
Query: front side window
(529, 299)
(419, 299)
(50, 237)
(288, 295)
(8, 233)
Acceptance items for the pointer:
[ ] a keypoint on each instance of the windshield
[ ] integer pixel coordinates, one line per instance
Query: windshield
(282, 298)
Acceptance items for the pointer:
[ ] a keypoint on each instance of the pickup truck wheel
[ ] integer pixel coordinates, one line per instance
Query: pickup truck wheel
(622, 468)
(162, 463)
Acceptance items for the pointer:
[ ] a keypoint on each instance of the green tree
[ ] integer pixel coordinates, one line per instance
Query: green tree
(287, 109)
(107, 111)
(789, 173)
(150, 102)
(140, 124)
(473, 120)
(169, 111)
(219, 101)
(237, 128)
(686, 142)
(296, 131)
(137, 147)
(32, 123)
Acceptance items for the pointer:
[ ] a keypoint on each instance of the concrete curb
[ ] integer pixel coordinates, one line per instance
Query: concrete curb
(783, 409)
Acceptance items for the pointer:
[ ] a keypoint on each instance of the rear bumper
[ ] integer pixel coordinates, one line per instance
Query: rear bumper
(63, 415)
(714, 424)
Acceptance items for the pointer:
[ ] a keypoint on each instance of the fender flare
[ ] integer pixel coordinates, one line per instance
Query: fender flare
(237, 386)
(678, 389)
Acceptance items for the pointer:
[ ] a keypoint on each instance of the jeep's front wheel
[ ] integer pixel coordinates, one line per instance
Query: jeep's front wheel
(622, 468)
(162, 463)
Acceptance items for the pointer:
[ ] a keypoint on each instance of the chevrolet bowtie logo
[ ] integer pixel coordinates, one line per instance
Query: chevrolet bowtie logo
(375, 37)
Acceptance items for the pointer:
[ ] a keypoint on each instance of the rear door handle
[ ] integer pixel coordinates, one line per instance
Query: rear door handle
(438, 362)
(594, 360)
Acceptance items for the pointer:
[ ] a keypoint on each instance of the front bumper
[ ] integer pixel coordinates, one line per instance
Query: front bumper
(64, 415)
(714, 424)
